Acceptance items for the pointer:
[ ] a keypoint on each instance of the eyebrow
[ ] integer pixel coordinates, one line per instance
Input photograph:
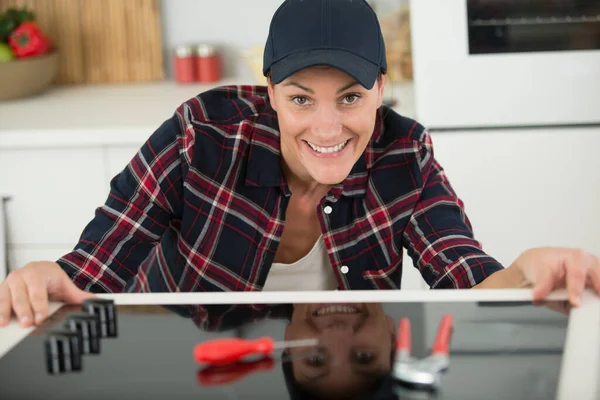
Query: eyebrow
(372, 372)
(309, 90)
(367, 373)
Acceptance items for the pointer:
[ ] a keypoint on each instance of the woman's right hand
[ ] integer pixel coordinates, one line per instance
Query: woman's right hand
(27, 290)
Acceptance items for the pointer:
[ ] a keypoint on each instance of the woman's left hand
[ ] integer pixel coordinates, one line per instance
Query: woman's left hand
(548, 268)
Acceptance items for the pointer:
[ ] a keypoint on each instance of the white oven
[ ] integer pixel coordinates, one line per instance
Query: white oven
(506, 63)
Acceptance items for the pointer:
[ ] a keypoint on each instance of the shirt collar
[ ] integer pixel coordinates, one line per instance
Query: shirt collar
(264, 167)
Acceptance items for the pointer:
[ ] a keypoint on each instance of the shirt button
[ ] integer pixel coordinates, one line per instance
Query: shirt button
(328, 210)
(344, 269)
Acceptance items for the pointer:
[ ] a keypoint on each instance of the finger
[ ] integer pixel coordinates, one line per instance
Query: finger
(577, 270)
(4, 304)
(38, 296)
(70, 293)
(594, 273)
(20, 301)
(547, 280)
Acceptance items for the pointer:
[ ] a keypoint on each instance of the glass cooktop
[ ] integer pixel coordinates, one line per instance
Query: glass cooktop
(100, 351)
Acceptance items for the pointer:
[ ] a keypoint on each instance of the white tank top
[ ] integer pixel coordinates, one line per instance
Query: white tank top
(311, 272)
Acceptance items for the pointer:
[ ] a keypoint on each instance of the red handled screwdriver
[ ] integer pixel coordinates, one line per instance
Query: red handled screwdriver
(216, 375)
(228, 351)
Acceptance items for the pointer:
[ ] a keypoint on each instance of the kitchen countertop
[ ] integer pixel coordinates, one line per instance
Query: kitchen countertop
(102, 115)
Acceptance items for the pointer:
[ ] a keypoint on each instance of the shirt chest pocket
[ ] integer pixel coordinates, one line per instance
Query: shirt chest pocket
(381, 244)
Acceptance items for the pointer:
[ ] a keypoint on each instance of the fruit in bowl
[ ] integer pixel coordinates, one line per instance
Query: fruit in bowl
(28, 61)
(24, 77)
(6, 53)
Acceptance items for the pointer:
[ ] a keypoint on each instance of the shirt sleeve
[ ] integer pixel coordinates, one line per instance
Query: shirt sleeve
(439, 237)
(142, 201)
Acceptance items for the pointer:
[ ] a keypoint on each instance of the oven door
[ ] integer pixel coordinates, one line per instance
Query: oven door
(504, 63)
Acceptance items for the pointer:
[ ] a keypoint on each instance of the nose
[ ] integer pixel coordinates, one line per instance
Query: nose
(327, 123)
(336, 339)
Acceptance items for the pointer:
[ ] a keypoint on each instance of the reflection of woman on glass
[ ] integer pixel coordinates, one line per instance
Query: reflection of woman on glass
(356, 354)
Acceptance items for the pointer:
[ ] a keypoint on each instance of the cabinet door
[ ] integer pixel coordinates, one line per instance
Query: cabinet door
(54, 193)
(526, 188)
(411, 277)
(3, 244)
(19, 256)
(117, 158)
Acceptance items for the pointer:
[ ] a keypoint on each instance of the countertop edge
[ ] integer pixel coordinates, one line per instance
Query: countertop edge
(65, 138)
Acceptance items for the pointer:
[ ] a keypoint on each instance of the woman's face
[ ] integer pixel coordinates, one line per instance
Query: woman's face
(326, 120)
(357, 341)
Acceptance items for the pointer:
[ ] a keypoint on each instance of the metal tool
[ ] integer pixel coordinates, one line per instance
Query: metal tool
(422, 374)
(233, 350)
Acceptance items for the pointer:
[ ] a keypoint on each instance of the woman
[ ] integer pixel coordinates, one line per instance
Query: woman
(308, 183)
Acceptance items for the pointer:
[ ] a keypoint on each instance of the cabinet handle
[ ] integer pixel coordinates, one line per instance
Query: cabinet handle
(3, 238)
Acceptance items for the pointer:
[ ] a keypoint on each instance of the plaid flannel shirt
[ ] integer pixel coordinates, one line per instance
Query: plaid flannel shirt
(201, 207)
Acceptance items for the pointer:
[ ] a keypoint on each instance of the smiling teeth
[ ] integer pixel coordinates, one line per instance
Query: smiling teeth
(332, 149)
(337, 310)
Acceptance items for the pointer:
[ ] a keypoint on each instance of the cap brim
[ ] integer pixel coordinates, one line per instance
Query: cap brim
(365, 72)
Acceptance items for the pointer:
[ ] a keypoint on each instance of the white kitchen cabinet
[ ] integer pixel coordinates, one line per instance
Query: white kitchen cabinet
(19, 256)
(526, 188)
(3, 243)
(54, 193)
(117, 158)
(411, 277)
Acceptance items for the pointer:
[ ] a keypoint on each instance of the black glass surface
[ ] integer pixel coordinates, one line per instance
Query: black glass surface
(514, 26)
(498, 350)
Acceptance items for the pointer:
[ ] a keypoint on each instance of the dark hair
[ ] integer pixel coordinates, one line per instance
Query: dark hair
(381, 388)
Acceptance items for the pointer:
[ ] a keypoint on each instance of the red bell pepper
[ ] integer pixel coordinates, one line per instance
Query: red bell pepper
(28, 40)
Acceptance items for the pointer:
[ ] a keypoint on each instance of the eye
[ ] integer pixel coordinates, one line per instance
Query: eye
(351, 98)
(300, 100)
(317, 360)
(364, 357)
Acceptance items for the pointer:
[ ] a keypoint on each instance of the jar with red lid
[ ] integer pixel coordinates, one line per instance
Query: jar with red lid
(184, 63)
(208, 63)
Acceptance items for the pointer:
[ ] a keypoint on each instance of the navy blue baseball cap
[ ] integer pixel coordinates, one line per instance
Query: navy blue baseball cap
(344, 34)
